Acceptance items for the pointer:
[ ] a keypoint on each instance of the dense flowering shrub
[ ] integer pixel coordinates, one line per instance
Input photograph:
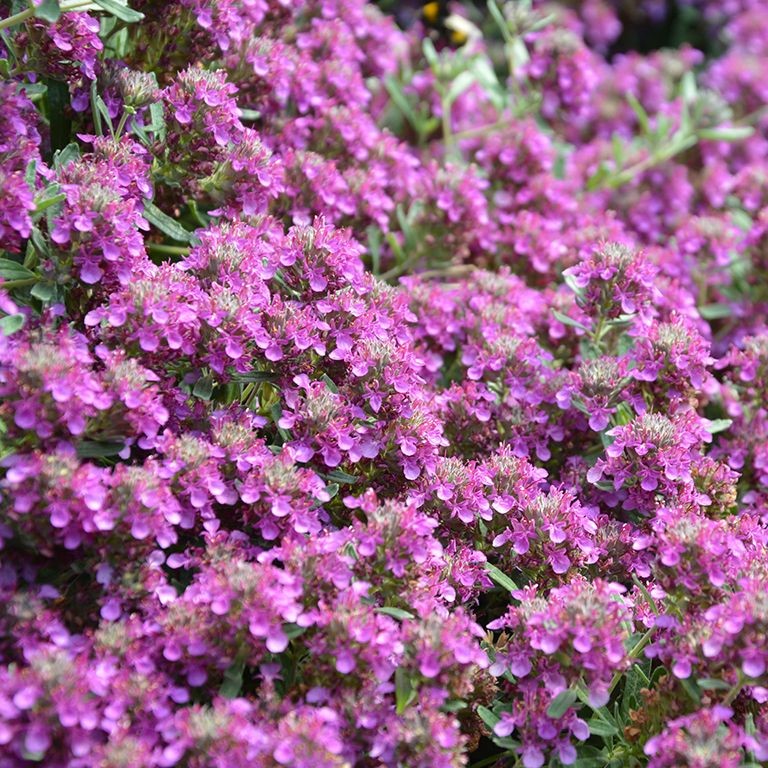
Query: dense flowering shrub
(383, 396)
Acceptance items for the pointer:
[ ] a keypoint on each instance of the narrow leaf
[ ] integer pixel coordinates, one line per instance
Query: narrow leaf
(43, 291)
(48, 10)
(718, 425)
(462, 82)
(601, 728)
(488, 717)
(715, 311)
(166, 224)
(342, 477)
(49, 202)
(11, 323)
(63, 157)
(256, 377)
(404, 693)
(122, 12)
(233, 681)
(396, 93)
(12, 270)
(92, 449)
(395, 613)
(727, 133)
(203, 388)
(330, 383)
(500, 578)
(561, 703)
(566, 320)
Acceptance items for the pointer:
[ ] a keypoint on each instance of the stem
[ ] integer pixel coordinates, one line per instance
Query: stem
(652, 160)
(646, 594)
(95, 111)
(123, 120)
(17, 18)
(29, 13)
(633, 654)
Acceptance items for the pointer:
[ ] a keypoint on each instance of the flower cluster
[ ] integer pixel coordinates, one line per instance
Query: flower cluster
(383, 389)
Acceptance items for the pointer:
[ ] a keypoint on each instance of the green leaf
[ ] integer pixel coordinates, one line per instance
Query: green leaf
(617, 144)
(727, 133)
(103, 110)
(742, 219)
(39, 242)
(233, 681)
(63, 157)
(501, 22)
(292, 631)
(715, 311)
(589, 762)
(342, 477)
(688, 88)
(690, 687)
(30, 173)
(507, 743)
(462, 82)
(430, 54)
(101, 449)
(518, 53)
(598, 727)
(404, 692)
(561, 703)
(488, 717)
(395, 613)
(500, 578)
(255, 377)
(44, 291)
(396, 93)
(712, 684)
(570, 281)
(640, 113)
(166, 224)
(718, 425)
(11, 324)
(330, 383)
(158, 120)
(48, 10)
(624, 414)
(49, 202)
(12, 270)
(635, 680)
(566, 320)
(486, 78)
(203, 388)
(122, 12)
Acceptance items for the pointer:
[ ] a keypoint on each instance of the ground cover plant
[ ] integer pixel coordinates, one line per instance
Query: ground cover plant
(383, 386)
